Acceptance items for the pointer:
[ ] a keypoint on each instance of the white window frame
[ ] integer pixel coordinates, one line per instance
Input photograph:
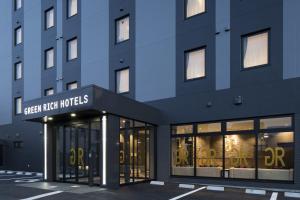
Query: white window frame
(18, 35)
(18, 105)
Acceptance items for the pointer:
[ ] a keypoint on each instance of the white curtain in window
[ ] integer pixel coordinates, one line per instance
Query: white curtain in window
(18, 4)
(123, 29)
(18, 105)
(194, 7)
(50, 58)
(123, 81)
(72, 8)
(19, 35)
(18, 70)
(195, 64)
(72, 49)
(72, 86)
(256, 50)
(50, 18)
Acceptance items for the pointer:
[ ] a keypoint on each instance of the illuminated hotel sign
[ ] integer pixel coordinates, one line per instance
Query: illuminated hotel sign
(56, 105)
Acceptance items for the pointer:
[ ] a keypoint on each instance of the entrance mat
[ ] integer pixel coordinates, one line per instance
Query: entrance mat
(65, 187)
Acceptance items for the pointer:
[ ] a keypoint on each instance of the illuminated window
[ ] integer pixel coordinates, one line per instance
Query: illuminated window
(72, 49)
(209, 127)
(72, 8)
(49, 18)
(18, 35)
(18, 105)
(72, 86)
(255, 50)
(49, 58)
(122, 29)
(18, 70)
(182, 129)
(194, 7)
(49, 92)
(195, 64)
(240, 125)
(278, 122)
(122, 81)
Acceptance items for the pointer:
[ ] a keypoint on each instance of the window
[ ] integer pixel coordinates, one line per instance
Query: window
(49, 92)
(255, 49)
(209, 128)
(72, 86)
(18, 105)
(18, 4)
(49, 58)
(72, 8)
(122, 81)
(194, 7)
(72, 49)
(195, 64)
(243, 125)
(18, 144)
(182, 129)
(49, 18)
(276, 156)
(18, 35)
(18, 70)
(262, 152)
(183, 156)
(122, 29)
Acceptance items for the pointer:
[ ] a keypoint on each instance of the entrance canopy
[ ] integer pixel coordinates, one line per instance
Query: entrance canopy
(88, 101)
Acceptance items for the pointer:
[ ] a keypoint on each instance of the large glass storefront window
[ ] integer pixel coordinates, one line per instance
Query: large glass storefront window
(244, 149)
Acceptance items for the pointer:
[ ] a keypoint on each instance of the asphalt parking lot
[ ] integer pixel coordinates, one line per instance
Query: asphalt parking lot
(30, 186)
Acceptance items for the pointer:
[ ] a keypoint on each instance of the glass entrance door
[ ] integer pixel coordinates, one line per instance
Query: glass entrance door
(78, 152)
(136, 153)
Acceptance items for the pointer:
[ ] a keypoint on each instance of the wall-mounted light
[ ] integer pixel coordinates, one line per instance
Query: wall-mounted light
(73, 114)
(45, 152)
(104, 132)
(50, 118)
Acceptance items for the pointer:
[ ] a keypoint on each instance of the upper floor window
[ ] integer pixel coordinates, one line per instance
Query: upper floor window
(122, 81)
(194, 7)
(49, 58)
(72, 86)
(18, 35)
(122, 29)
(255, 49)
(72, 49)
(195, 64)
(49, 18)
(18, 70)
(72, 8)
(49, 92)
(18, 4)
(18, 105)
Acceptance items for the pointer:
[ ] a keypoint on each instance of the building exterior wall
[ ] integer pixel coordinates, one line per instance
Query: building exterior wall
(159, 36)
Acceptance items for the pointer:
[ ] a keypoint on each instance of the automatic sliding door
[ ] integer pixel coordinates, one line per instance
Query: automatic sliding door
(82, 152)
(70, 154)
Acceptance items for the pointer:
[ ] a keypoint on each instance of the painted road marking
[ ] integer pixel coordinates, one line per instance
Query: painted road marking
(188, 193)
(274, 196)
(43, 195)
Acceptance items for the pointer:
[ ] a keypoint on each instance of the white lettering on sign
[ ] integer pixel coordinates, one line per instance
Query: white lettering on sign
(54, 105)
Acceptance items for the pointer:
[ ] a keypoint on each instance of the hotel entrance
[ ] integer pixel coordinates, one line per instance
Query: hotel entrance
(78, 146)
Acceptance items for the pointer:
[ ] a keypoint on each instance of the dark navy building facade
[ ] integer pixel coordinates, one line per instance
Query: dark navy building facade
(113, 92)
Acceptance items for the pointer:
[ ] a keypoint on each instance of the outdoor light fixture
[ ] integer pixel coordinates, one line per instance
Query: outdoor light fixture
(45, 152)
(104, 132)
(50, 118)
(73, 114)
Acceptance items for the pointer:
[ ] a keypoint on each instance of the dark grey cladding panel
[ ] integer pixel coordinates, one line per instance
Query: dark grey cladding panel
(90, 98)
(66, 102)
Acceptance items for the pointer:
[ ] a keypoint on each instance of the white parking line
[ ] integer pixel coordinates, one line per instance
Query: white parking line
(274, 196)
(188, 193)
(43, 195)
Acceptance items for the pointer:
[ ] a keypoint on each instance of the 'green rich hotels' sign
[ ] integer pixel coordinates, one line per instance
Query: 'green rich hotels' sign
(57, 104)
